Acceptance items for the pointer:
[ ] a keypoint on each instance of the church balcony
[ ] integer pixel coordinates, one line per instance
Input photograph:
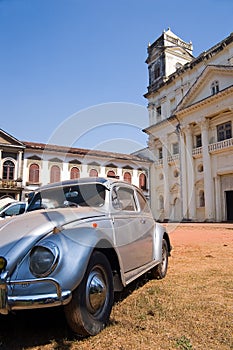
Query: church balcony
(173, 159)
(221, 146)
(159, 162)
(197, 152)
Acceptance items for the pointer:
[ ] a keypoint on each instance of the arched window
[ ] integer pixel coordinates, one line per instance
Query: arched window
(93, 173)
(142, 181)
(34, 173)
(214, 87)
(200, 168)
(8, 170)
(156, 72)
(202, 198)
(74, 173)
(55, 174)
(111, 173)
(127, 177)
(161, 202)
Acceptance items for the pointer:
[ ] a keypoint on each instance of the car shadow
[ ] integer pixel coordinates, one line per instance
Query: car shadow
(120, 296)
(25, 329)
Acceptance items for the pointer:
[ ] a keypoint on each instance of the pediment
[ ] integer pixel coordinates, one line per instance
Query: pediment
(179, 51)
(8, 140)
(94, 164)
(55, 160)
(201, 89)
(34, 157)
(111, 165)
(127, 167)
(75, 161)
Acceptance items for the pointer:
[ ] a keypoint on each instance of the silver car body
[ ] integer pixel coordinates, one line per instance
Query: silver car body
(12, 209)
(128, 236)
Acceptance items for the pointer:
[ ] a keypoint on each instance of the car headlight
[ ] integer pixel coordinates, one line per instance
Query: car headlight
(43, 259)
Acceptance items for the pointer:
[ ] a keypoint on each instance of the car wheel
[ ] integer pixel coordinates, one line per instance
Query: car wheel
(160, 271)
(89, 310)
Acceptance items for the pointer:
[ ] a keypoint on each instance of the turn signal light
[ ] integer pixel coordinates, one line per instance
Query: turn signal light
(3, 263)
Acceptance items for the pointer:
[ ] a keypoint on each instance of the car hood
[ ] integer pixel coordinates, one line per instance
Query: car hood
(19, 234)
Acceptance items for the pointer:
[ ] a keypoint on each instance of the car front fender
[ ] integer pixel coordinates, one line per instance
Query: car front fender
(75, 248)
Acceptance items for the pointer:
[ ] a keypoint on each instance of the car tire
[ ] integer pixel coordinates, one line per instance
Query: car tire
(89, 310)
(160, 271)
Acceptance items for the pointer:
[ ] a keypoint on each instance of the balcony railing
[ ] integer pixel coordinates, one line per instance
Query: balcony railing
(13, 184)
(173, 158)
(221, 145)
(159, 162)
(196, 152)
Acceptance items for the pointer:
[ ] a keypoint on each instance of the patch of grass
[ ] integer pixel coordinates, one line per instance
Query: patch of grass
(183, 343)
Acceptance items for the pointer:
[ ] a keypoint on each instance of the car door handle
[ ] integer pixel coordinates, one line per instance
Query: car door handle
(143, 221)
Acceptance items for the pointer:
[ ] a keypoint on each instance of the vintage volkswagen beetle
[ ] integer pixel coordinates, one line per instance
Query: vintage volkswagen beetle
(80, 241)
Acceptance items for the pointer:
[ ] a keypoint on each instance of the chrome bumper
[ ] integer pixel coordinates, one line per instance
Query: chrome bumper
(8, 303)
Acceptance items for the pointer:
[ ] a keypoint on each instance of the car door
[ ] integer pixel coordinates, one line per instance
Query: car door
(132, 236)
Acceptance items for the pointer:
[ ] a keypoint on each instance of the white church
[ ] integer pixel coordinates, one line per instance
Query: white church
(190, 105)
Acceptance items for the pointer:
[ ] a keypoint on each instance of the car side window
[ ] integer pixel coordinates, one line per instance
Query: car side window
(143, 203)
(15, 210)
(123, 199)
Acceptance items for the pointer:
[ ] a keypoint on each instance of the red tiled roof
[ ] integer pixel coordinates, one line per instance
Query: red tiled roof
(81, 152)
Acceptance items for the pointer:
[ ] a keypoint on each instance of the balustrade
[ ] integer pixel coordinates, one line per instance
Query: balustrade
(197, 152)
(10, 183)
(220, 145)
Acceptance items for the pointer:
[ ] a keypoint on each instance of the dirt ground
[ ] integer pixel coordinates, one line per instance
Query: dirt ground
(201, 252)
(198, 233)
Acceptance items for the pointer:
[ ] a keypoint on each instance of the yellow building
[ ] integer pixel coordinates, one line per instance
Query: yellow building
(25, 166)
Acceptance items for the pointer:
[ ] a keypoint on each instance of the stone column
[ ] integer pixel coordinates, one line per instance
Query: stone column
(102, 172)
(119, 173)
(45, 172)
(135, 178)
(190, 172)
(164, 142)
(25, 173)
(84, 171)
(183, 176)
(153, 194)
(19, 167)
(151, 110)
(65, 173)
(208, 180)
(218, 198)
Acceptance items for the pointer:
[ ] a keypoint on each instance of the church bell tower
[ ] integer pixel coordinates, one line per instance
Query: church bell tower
(166, 55)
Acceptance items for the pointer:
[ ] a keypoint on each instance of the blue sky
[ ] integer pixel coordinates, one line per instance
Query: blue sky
(62, 58)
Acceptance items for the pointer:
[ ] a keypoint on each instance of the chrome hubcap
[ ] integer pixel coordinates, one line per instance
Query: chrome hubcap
(96, 291)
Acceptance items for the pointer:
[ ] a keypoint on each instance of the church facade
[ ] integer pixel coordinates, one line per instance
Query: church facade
(190, 106)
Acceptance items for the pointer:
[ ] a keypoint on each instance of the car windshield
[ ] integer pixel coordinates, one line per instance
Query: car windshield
(91, 195)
